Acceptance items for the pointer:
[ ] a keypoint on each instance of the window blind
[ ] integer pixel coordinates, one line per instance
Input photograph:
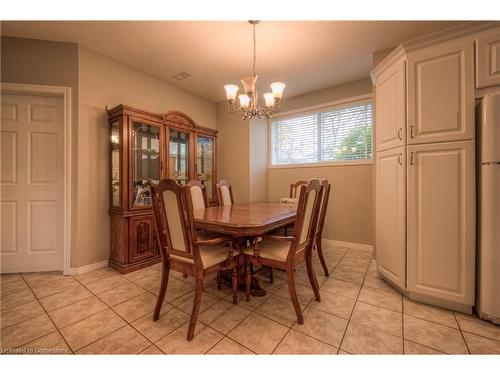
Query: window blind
(333, 135)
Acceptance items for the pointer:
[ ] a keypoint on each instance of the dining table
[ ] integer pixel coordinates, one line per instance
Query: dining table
(246, 221)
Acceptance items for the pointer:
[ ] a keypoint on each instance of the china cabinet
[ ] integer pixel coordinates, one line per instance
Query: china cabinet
(145, 148)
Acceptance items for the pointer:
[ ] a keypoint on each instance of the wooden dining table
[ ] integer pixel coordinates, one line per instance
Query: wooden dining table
(247, 220)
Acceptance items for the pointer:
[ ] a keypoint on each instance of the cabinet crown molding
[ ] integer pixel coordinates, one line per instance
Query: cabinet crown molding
(171, 118)
(468, 29)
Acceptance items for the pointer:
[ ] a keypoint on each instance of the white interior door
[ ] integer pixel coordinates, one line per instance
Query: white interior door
(32, 183)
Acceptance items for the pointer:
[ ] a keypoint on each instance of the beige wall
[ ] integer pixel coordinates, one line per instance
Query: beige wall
(95, 81)
(258, 160)
(44, 62)
(243, 161)
(233, 152)
(103, 81)
(350, 212)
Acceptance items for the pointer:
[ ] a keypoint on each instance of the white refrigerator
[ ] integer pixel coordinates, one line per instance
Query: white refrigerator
(488, 293)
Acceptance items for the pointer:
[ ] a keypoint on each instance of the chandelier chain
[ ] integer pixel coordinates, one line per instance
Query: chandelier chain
(254, 49)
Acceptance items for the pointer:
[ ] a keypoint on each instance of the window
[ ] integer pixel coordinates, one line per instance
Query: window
(328, 136)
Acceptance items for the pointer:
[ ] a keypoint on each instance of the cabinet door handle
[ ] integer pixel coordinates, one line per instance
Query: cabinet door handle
(400, 134)
(411, 158)
(400, 159)
(161, 165)
(411, 131)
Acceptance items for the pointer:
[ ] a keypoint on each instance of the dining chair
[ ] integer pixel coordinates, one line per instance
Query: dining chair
(325, 196)
(294, 187)
(198, 194)
(285, 252)
(180, 248)
(225, 193)
(199, 198)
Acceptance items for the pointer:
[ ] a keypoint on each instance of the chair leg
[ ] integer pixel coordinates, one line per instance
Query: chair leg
(271, 275)
(234, 284)
(163, 289)
(248, 280)
(219, 280)
(312, 277)
(196, 306)
(293, 295)
(319, 248)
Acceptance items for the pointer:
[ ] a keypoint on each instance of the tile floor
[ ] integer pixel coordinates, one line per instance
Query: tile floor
(105, 312)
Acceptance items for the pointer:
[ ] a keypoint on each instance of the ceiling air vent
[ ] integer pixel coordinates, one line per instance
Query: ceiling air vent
(182, 76)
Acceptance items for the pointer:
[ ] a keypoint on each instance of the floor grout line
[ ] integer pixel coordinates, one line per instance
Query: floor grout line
(403, 322)
(251, 311)
(461, 333)
(111, 308)
(50, 318)
(354, 306)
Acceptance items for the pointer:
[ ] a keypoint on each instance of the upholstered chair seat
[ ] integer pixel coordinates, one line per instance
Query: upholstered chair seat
(210, 255)
(271, 249)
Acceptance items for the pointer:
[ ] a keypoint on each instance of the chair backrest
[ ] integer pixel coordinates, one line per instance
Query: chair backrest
(198, 194)
(174, 221)
(325, 196)
(295, 186)
(225, 193)
(307, 214)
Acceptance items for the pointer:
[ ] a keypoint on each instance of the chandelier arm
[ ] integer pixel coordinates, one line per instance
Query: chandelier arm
(276, 107)
(231, 108)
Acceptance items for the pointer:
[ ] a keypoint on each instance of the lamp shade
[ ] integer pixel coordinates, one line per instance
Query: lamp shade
(269, 99)
(244, 100)
(278, 88)
(231, 91)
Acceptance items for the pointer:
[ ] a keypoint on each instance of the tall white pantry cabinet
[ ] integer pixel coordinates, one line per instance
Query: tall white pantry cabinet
(425, 169)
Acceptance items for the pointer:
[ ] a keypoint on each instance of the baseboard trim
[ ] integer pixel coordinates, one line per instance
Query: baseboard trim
(88, 268)
(352, 245)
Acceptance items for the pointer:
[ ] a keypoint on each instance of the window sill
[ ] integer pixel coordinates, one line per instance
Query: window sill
(345, 163)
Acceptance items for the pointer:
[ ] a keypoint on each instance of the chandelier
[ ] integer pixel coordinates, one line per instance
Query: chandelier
(249, 101)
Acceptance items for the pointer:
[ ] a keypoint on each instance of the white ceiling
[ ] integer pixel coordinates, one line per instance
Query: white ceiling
(306, 55)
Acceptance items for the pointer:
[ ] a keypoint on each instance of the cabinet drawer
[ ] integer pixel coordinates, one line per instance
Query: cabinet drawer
(142, 238)
(488, 58)
(441, 93)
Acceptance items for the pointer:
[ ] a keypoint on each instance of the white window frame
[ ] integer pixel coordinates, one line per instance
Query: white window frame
(313, 109)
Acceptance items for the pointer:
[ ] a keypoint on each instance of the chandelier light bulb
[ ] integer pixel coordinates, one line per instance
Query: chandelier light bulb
(231, 91)
(269, 99)
(244, 100)
(278, 88)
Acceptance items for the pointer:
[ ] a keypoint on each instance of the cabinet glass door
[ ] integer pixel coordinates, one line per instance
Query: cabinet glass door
(146, 163)
(115, 163)
(178, 156)
(205, 163)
